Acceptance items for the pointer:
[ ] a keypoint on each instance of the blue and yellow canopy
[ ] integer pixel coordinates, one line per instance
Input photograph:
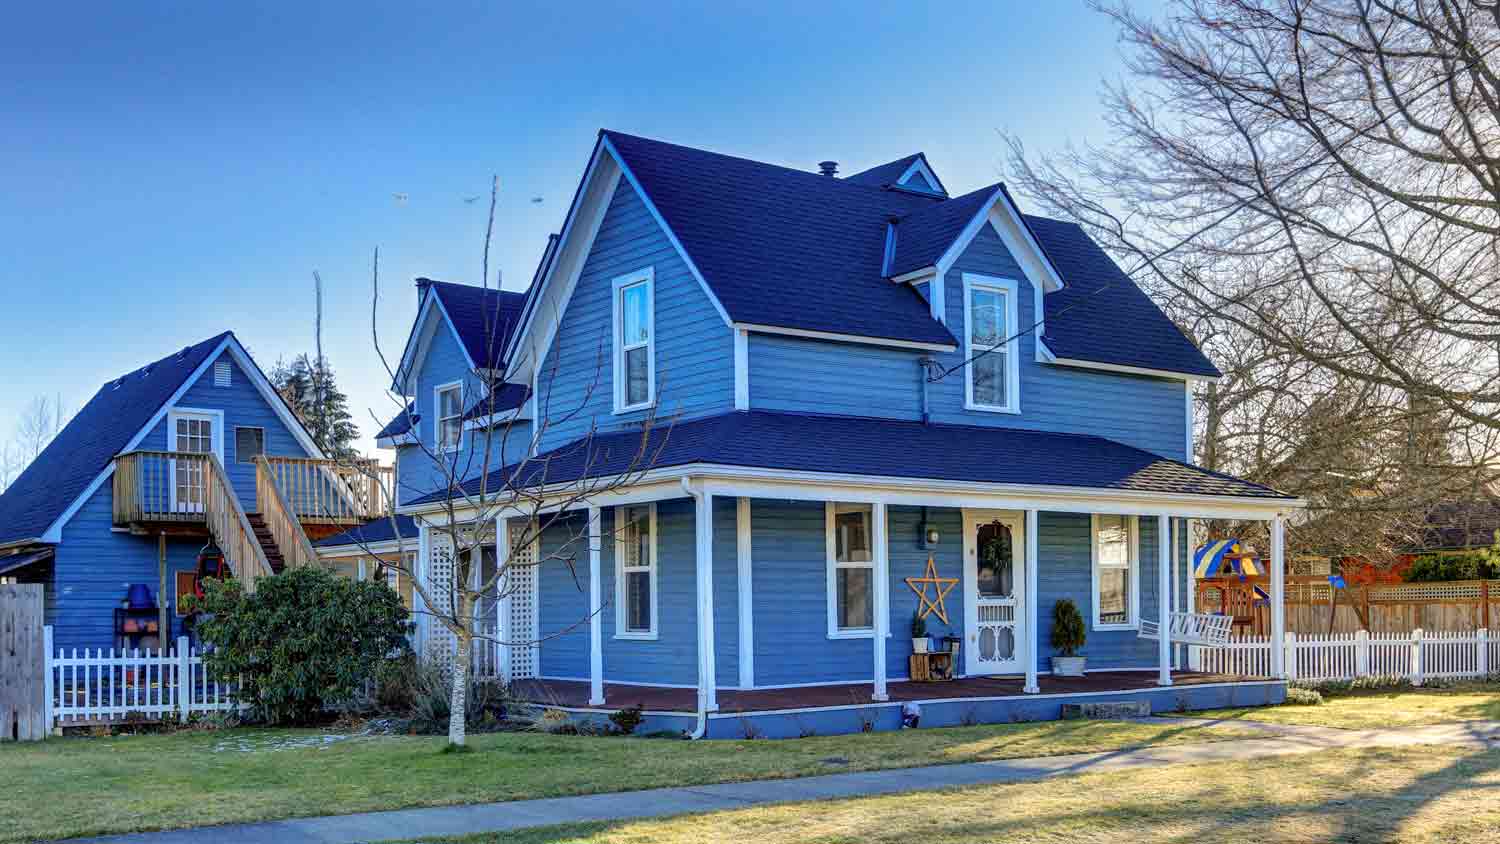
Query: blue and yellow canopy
(1222, 557)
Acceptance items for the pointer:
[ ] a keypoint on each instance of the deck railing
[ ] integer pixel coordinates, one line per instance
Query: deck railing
(279, 518)
(332, 491)
(153, 487)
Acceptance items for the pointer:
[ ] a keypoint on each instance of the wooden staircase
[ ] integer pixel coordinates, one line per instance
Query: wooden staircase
(267, 542)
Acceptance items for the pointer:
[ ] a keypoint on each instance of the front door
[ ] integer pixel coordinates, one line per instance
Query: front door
(190, 433)
(994, 609)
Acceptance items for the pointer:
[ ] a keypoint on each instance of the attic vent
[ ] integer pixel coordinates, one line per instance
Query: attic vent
(221, 374)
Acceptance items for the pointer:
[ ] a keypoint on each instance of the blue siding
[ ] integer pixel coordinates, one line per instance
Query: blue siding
(243, 405)
(95, 566)
(694, 348)
(820, 377)
(1065, 570)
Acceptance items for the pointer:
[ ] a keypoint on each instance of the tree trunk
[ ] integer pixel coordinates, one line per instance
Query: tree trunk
(459, 699)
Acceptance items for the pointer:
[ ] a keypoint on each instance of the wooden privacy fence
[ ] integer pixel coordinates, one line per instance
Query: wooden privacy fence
(1393, 608)
(1416, 656)
(103, 685)
(23, 699)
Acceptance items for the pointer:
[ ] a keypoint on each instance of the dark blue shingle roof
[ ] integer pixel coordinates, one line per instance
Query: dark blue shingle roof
(484, 318)
(91, 439)
(371, 532)
(924, 235)
(887, 174)
(399, 424)
(881, 448)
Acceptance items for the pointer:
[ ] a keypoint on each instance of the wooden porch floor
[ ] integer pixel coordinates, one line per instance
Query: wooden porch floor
(575, 693)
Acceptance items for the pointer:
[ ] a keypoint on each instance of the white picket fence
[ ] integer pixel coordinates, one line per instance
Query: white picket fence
(1350, 656)
(102, 685)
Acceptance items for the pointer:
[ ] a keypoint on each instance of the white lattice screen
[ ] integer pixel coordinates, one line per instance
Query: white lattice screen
(440, 640)
(522, 590)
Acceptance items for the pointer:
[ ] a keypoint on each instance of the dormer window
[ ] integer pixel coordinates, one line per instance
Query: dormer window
(991, 346)
(449, 416)
(634, 341)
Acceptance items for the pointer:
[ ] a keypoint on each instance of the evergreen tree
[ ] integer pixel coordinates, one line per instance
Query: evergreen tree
(312, 392)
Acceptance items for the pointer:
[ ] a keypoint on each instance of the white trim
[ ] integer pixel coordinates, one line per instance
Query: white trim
(1009, 289)
(354, 549)
(214, 415)
(832, 566)
(596, 608)
(746, 582)
(480, 423)
(741, 369)
(419, 341)
(644, 277)
(1031, 589)
(913, 277)
(1187, 395)
(1127, 370)
(973, 518)
(880, 575)
(437, 416)
(1163, 601)
(703, 582)
(620, 574)
(1133, 549)
(920, 166)
(844, 338)
(1050, 276)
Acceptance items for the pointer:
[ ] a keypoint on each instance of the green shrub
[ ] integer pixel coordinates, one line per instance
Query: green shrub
(627, 719)
(420, 694)
(1303, 696)
(918, 626)
(1068, 633)
(1467, 565)
(305, 639)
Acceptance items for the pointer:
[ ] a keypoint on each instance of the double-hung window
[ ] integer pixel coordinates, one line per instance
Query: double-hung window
(635, 341)
(635, 572)
(1116, 572)
(450, 416)
(851, 571)
(991, 349)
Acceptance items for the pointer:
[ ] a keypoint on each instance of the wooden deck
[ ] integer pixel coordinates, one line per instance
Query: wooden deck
(575, 694)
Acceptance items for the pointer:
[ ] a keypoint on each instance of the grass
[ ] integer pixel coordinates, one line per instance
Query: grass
(90, 786)
(1354, 710)
(1428, 794)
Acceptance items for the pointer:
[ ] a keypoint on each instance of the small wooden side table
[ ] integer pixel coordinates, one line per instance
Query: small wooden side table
(933, 666)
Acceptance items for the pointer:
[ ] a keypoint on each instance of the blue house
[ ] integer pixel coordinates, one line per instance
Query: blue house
(191, 453)
(841, 401)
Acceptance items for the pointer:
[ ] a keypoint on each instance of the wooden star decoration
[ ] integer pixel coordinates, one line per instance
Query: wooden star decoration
(943, 585)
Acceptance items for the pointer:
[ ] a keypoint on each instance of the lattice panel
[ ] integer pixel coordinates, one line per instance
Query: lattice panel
(521, 629)
(440, 566)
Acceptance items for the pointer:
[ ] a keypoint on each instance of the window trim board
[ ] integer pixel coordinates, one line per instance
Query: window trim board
(437, 416)
(647, 277)
(832, 566)
(653, 570)
(1010, 289)
(1133, 548)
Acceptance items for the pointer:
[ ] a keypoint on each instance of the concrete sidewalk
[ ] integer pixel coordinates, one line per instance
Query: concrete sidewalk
(497, 817)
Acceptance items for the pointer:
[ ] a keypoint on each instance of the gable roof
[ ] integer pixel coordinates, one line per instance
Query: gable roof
(847, 445)
(925, 234)
(891, 173)
(91, 439)
(483, 318)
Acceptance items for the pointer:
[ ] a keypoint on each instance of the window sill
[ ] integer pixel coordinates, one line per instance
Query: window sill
(985, 408)
(636, 637)
(1115, 628)
(856, 634)
(634, 408)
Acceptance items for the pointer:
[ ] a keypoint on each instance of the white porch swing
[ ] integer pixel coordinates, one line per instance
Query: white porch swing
(1197, 628)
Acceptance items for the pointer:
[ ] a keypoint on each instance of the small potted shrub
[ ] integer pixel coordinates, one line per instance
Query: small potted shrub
(918, 634)
(1067, 638)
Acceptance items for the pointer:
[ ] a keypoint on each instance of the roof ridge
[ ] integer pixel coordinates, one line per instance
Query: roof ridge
(214, 340)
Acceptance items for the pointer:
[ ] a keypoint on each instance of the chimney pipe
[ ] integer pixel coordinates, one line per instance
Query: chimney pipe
(828, 168)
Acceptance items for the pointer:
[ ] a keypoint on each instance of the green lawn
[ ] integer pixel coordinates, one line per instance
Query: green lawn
(1427, 794)
(1372, 710)
(84, 786)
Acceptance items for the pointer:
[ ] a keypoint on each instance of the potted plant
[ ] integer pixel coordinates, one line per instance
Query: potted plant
(1067, 638)
(918, 634)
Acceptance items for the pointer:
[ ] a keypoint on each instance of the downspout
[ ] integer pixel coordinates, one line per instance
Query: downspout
(702, 726)
(924, 365)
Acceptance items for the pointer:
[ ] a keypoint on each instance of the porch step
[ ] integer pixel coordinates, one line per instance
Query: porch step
(1106, 711)
(267, 541)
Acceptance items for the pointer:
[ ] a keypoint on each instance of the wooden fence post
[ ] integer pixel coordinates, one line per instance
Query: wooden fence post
(1291, 655)
(1482, 664)
(1361, 653)
(1416, 657)
(183, 688)
(49, 715)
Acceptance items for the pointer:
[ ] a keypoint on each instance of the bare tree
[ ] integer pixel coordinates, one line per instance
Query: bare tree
(1312, 186)
(38, 424)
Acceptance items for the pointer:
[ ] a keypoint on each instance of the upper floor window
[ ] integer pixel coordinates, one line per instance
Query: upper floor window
(635, 577)
(851, 570)
(450, 416)
(1116, 572)
(991, 347)
(635, 341)
(249, 443)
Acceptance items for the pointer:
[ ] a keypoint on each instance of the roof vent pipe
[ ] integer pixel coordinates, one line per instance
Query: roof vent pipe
(828, 168)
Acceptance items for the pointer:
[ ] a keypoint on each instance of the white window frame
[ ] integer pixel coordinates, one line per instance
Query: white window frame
(437, 416)
(1010, 291)
(620, 572)
(647, 277)
(1133, 549)
(830, 511)
(216, 431)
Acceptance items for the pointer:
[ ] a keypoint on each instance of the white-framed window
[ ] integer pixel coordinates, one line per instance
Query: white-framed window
(992, 379)
(448, 411)
(1117, 588)
(851, 571)
(635, 571)
(635, 340)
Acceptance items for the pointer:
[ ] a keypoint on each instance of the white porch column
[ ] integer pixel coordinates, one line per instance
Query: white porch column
(1031, 596)
(1177, 594)
(596, 606)
(882, 576)
(703, 521)
(502, 605)
(745, 592)
(419, 572)
(1164, 601)
(1278, 597)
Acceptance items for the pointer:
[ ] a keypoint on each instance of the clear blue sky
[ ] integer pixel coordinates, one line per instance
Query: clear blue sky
(168, 171)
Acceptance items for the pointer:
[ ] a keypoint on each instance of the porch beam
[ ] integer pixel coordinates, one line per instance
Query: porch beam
(1164, 601)
(1031, 595)
(703, 523)
(596, 606)
(881, 598)
(1278, 598)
